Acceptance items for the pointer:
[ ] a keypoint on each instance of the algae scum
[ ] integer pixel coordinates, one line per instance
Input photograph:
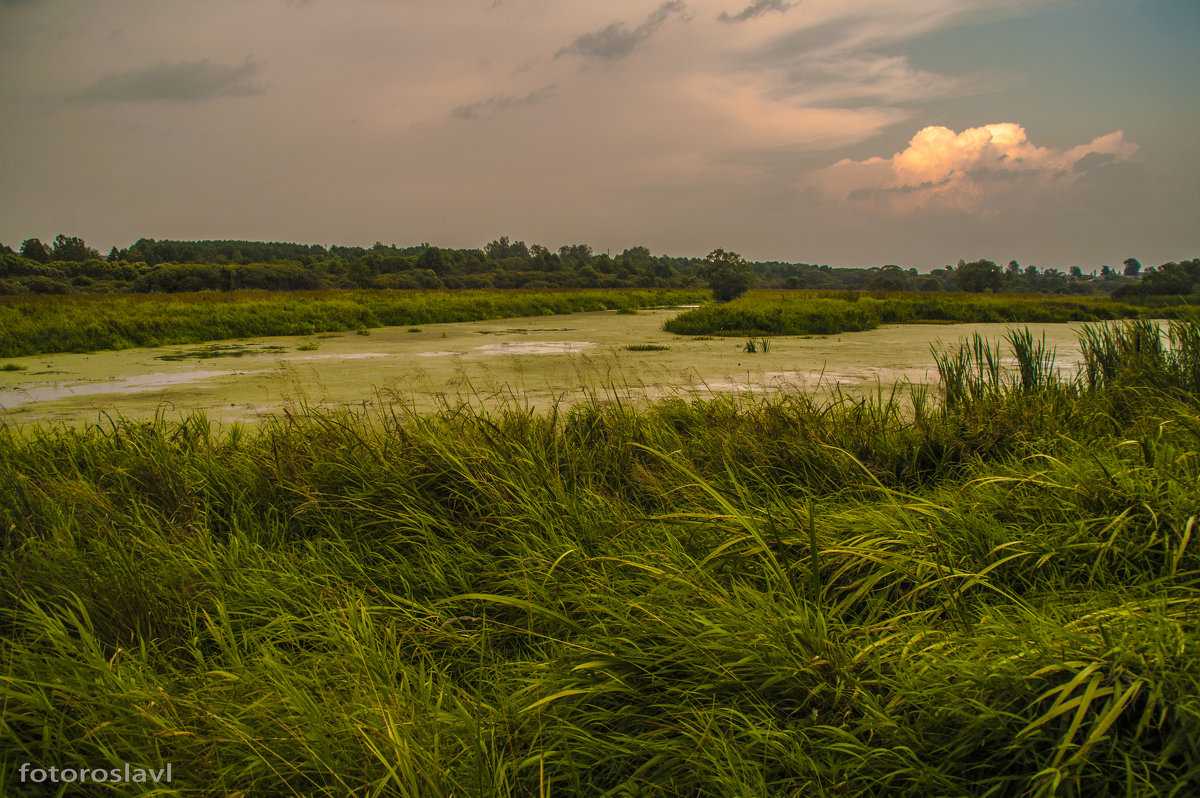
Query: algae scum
(542, 359)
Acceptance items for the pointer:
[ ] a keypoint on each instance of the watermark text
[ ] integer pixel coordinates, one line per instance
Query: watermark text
(130, 774)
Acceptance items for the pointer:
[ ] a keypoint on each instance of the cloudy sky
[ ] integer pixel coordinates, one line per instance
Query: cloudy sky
(847, 132)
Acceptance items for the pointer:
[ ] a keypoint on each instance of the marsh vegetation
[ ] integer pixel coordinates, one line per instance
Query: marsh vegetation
(991, 589)
(543, 360)
(832, 312)
(35, 325)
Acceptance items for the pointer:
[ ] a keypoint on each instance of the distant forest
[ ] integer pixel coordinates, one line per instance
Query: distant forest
(68, 265)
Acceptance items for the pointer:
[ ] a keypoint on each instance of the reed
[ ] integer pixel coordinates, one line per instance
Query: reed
(1144, 352)
(976, 369)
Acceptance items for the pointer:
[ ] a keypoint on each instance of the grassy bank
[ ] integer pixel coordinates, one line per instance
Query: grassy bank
(991, 595)
(829, 313)
(37, 325)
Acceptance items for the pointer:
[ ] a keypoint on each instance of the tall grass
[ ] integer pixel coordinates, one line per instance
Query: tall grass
(758, 596)
(1139, 352)
(976, 369)
(84, 323)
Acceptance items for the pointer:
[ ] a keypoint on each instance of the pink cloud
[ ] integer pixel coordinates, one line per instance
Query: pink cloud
(976, 170)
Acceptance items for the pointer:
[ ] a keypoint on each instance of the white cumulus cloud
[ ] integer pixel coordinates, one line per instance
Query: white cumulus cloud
(980, 169)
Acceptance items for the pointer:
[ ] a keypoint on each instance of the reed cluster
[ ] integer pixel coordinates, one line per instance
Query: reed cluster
(771, 595)
(1139, 353)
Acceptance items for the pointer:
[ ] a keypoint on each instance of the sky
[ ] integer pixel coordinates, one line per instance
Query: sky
(840, 132)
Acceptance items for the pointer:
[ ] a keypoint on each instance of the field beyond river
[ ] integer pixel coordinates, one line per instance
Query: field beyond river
(544, 360)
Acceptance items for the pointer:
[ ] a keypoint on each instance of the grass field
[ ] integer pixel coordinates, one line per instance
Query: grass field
(987, 591)
(88, 323)
(831, 312)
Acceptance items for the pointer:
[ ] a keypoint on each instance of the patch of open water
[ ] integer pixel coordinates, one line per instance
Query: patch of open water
(534, 348)
(346, 356)
(139, 383)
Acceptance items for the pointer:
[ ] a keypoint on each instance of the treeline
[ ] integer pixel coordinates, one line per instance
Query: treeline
(69, 265)
(1170, 279)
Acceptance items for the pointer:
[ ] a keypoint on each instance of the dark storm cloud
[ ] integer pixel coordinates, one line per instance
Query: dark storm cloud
(481, 109)
(614, 42)
(179, 81)
(755, 9)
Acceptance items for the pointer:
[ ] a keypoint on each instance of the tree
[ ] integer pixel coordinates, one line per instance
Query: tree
(576, 255)
(978, 275)
(34, 249)
(1132, 267)
(1012, 274)
(888, 278)
(728, 274)
(637, 255)
(433, 260)
(73, 248)
(544, 260)
(1167, 280)
(504, 248)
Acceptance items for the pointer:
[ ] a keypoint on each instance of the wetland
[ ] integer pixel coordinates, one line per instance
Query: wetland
(453, 558)
(542, 359)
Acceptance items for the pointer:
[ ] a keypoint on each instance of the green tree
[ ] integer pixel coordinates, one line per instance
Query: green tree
(1132, 267)
(433, 260)
(35, 250)
(728, 274)
(576, 255)
(73, 248)
(504, 248)
(978, 276)
(887, 278)
(544, 260)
